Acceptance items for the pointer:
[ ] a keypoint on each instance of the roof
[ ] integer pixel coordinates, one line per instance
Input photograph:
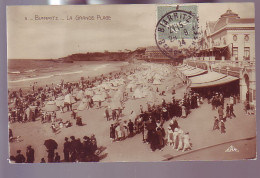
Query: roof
(156, 49)
(206, 78)
(227, 18)
(229, 13)
(211, 25)
(222, 81)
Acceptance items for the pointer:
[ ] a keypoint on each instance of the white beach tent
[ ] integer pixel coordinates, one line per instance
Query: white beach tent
(157, 82)
(69, 99)
(79, 95)
(138, 93)
(99, 97)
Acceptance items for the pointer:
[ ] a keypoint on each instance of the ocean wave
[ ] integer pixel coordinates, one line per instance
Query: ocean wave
(100, 67)
(30, 79)
(29, 71)
(68, 73)
(15, 72)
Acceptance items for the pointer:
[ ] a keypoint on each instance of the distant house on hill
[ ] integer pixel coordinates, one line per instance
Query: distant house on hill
(153, 52)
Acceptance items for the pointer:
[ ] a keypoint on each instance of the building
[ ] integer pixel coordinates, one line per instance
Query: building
(227, 46)
(229, 38)
(154, 53)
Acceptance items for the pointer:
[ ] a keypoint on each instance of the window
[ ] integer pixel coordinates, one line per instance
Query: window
(235, 37)
(246, 37)
(247, 53)
(235, 52)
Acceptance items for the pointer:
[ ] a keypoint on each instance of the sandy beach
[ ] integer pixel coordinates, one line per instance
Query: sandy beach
(131, 149)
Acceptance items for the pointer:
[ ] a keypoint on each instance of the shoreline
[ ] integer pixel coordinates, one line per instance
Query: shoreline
(74, 76)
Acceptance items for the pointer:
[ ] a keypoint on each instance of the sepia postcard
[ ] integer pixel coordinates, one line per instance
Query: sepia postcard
(131, 83)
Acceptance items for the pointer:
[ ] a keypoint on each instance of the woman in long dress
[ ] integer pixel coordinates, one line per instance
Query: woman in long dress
(175, 140)
(169, 136)
(183, 111)
(118, 132)
(180, 139)
(186, 141)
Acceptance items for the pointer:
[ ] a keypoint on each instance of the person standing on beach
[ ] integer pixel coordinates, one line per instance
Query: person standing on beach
(112, 132)
(222, 127)
(57, 158)
(227, 111)
(131, 128)
(30, 154)
(220, 112)
(50, 155)
(19, 157)
(186, 142)
(107, 114)
(66, 150)
(232, 111)
(99, 104)
(216, 124)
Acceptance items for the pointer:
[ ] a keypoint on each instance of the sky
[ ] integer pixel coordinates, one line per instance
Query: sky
(129, 27)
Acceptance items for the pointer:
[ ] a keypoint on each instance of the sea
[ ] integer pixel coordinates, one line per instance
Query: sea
(21, 70)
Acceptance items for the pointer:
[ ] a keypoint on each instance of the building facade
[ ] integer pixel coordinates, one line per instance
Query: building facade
(229, 38)
(227, 46)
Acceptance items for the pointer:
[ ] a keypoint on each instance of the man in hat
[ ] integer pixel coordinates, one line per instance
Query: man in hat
(216, 123)
(227, 111)
(131, 128)
(107, 114)
(220, 112)
(30, 154)
(19, 157)
(73, 146)
(232, 111)
(222, 127)
(112, 132)
(66, 150)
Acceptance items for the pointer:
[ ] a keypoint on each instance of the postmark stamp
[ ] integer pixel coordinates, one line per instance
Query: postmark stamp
(176, 30)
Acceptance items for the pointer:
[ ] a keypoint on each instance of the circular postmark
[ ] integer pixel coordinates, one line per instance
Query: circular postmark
(175, 32)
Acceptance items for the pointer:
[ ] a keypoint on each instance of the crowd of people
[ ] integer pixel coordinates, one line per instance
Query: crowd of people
(149, 122)
(20, 158)
(218, 104)
(74, 150)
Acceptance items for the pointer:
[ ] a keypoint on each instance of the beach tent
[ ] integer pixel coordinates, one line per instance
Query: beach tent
(82, 106)
(59, 101)
(98, 97)
(131, 85)
(151, 97)
(89, 92)
(50, 106)
(138, 93)
(115, 104)
(79, 95)
(118, 95)
(69, 99)
(157, 82)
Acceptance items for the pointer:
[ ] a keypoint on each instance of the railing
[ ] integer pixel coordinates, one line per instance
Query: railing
(222, 63)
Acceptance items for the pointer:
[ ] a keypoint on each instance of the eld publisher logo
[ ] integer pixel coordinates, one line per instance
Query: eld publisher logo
(232, 149)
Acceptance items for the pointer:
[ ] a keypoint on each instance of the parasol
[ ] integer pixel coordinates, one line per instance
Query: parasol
(50, 144)
(50, 106)
(89, 93)
(98, 98)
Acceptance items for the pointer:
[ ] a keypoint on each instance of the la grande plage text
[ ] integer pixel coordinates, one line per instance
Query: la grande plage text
(70, 17)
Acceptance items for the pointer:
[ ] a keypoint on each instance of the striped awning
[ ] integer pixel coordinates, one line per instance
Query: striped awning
(210, 82)
(194, 72)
